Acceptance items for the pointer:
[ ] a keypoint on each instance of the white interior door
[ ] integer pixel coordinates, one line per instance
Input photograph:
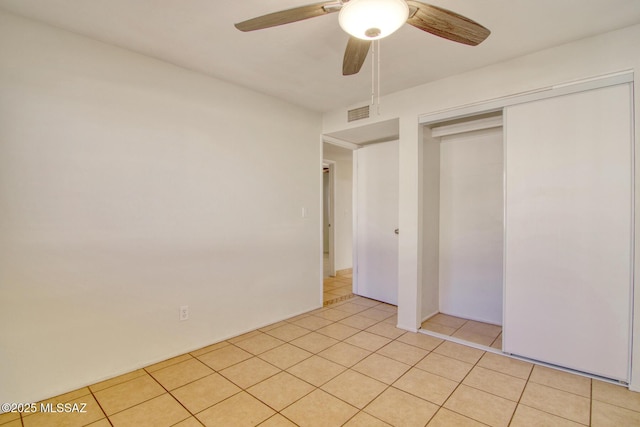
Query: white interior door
(376, 248)
(568, 241)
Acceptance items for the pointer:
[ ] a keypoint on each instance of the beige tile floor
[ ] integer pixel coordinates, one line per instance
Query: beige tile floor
(338, 288)
(345, 364)
(468, 330)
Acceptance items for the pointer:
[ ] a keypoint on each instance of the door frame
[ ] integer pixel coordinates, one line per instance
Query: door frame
(331, 215)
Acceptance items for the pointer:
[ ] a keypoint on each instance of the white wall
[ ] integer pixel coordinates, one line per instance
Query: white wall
(430, 220)
(601, 54)
(343, 221)
(471, 225)
(129, 187)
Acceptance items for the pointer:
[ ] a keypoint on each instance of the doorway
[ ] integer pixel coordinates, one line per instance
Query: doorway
(343, 147)
(337, 231)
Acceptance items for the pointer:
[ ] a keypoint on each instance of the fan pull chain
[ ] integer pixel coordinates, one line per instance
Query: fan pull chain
(378, 55)
(375, 75)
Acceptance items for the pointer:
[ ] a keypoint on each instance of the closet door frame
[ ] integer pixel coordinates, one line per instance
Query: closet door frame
(498, 105)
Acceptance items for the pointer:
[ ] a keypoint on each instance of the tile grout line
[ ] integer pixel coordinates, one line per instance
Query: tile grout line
(549, 413)
(562, 390)
(387, 386)
(414, 365)
(316, 388)
(460, 383)
(347, 368)
(192, 416)
(190, 382)
(243, 389)
(521, 394)
(528, 380)
(554, 415)
(100, 406)
(591, 402)
(172, 396)
(133, 406)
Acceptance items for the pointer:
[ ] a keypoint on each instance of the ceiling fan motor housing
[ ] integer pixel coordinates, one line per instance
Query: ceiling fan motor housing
(372, 33)
(373, 19)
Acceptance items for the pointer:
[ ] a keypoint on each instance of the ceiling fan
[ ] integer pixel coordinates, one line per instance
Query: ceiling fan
(367, 20)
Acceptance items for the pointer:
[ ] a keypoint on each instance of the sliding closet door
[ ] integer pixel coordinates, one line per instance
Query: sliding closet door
(569, 230)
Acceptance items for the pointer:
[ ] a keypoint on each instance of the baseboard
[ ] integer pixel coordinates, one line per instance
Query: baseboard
(475, 319)
(428, 316)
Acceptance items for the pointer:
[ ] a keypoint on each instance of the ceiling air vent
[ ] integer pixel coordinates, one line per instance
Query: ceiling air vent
(358, 113)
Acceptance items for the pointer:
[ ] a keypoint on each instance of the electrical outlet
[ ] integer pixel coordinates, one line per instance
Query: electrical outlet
(184, 312)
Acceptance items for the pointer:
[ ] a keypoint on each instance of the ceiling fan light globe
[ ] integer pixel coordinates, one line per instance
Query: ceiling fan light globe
(373, 19)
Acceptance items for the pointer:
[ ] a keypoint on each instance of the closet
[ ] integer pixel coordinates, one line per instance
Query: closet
(464, 205)
(535, 233)
(466, 215)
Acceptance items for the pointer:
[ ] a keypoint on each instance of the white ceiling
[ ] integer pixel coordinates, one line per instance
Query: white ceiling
(334, 152)
(302, 62)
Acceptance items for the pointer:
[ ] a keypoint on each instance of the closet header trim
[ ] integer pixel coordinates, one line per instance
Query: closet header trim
(498, 104)
(469, 126)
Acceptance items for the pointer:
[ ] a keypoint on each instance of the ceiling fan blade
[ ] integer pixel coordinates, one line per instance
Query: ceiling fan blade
(354, 55)
(288, 16)
(446, 24)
